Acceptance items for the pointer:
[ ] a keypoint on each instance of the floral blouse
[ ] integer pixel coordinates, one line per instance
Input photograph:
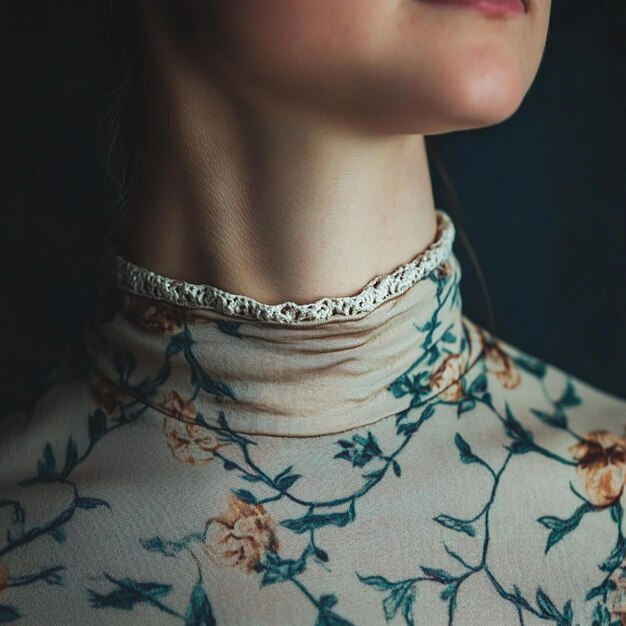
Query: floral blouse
(202, 458)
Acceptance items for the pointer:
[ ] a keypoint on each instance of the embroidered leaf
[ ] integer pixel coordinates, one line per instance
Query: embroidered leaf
(328, 601)
(465, 405)
(178, 343)
(170, 548)
(617, 513)
(46, 468)
(461, 526)
(97, 425)
(345, 444)
(128, 593)
(278, 570)
(8, 614)
(321, 554)
(251, 478)
(448, 337)
(425, 327)
(434, 354)
(284, 480)
(380, 582)
(124, 363)
(602, 617)
(532, 366)
(401, 386)
(417, 386)
(245, 495)
(448, 591)
(569, 397)
(401, 598)
(616, 557)
(396, 468)
(479, 386)
(71, 457)
(199, 378)
(58, 534)
(90, 503)
(546, 606)
(361, 451)
(427, 413)
(467, 456)
(439, 575)
(601, 590)
(374, 476)
(229, 465)
(521, 447)
(221, 420)
(47, 465)
(557, 420)
(548, 609)
(561, 527)
(568, 612)
(229, 328)
(199, 611)
(522, 438)
(287, 481)
(520, 600)
(311, 521)
(327, 617)
(227, 435)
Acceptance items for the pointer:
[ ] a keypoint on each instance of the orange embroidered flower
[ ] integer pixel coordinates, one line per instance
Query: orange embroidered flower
(105, 393)
(4, 575)
(240, 536)
(153, 314)
(499, 363)
(601, 460)
(617, 595)
(447, 378)
(178, 406)
(444, 270)
(189, 442)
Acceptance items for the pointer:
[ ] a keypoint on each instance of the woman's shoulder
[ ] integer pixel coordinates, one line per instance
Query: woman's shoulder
(554, 396)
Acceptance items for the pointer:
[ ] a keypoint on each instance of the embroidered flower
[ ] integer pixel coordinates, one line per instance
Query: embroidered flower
(617, 596)
(444, 270)
(178, 406)
(500, 364)
(189, 442)
(153, 314)
(105, 393)
(240, 536)
(4, 575)
(601, 460)
(447, 378)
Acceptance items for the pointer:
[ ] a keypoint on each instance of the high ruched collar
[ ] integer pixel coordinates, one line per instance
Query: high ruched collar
(197, 352)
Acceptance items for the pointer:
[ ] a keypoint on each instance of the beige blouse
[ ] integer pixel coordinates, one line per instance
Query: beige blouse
(200, 457)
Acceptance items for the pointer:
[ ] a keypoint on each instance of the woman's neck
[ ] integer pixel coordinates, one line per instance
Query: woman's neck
(257, 196)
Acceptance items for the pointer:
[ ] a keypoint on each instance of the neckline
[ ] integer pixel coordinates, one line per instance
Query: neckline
(142, 281)
(329, 370)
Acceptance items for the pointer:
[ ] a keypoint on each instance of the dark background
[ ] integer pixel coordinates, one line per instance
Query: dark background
(543, 194)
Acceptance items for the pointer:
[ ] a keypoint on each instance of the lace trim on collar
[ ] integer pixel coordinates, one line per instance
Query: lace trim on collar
(144, 282)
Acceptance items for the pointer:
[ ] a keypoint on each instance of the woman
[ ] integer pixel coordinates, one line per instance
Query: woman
(280, 414)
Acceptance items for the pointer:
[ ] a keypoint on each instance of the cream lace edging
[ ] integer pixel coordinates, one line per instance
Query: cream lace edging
(144, 282)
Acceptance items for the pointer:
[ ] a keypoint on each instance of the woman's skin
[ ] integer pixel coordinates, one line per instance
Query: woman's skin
(287, 136)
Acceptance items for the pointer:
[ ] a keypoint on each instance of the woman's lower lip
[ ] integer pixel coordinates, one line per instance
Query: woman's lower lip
(492, 7)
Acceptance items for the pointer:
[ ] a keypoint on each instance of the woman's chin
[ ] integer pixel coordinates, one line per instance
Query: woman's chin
(476, 96)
